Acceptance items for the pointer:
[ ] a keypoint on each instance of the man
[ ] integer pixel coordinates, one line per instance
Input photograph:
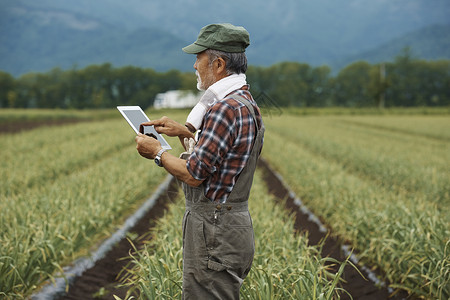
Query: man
(216, 175)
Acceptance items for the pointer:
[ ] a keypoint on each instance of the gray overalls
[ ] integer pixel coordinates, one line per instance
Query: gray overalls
(218, 239)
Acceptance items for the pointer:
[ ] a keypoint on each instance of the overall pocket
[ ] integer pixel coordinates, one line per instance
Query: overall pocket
(194, 246)
(235, 241)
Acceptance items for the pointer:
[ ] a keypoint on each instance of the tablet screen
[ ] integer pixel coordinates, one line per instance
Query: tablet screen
(135, 116)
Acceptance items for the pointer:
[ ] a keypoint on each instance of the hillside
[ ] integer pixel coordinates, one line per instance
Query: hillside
(37, 36)
(42, 40)
(431, 43)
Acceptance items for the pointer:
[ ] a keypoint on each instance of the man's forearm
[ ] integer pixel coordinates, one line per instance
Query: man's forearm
(177, 167)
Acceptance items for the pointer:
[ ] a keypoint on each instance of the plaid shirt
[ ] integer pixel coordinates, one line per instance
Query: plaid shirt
(224, 145)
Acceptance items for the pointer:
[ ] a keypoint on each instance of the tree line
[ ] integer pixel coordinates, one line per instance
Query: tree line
(405, 82)
(96, 86)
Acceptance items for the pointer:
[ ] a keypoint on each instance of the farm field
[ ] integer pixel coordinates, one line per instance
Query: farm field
(63, 189)
(381, 182)
(8, 115)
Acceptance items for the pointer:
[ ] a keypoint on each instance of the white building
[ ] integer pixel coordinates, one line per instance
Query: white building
(176, 99)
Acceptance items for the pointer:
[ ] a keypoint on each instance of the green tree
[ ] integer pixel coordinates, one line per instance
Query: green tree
(402, 78)
(319, 87)
(51, 88)
(27, 91)
(291, 83)
(405, 82)
(188, 81)
(7, 90)
(378, 84)
(351, 86)
(431, 80)
(91, 87)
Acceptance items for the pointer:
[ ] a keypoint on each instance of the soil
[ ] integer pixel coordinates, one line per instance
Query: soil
(105, 273)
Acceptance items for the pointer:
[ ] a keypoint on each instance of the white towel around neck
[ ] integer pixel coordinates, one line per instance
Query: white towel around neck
(214, 93)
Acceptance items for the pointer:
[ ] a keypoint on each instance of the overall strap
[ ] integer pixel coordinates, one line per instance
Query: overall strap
(249, 106)
(242, 186)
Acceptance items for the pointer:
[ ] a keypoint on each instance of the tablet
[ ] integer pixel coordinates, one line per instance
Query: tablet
(135, 116)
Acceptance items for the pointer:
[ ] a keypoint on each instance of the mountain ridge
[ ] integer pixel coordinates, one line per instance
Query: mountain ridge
(40, 36)
(429, 43)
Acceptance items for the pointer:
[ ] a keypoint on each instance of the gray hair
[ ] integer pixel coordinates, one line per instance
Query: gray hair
(235, 63)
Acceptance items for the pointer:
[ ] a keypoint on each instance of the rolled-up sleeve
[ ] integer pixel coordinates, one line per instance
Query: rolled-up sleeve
(214, 143)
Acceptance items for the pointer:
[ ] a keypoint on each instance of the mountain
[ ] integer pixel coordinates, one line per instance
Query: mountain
(39, 40)
(431, 43)
(40, 35)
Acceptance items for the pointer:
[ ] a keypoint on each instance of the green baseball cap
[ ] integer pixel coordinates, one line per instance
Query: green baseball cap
(224, 37)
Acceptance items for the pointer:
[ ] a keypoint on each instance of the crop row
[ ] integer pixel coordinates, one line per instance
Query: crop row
(384, 191)
(436, 127)
(381, 182)
(284, 266)
(35, 157)
(63, 189)
(395, 160)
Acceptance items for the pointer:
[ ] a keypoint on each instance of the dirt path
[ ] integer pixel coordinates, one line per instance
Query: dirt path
(105, 272)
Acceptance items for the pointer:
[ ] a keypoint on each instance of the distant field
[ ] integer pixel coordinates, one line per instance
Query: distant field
(16, 120)
(17, 115)
(381, 181)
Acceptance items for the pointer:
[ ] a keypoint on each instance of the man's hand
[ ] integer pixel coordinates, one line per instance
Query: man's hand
(169, 127)
(147, 146)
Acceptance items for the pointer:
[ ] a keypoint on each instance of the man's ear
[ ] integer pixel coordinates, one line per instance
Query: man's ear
(221, 65)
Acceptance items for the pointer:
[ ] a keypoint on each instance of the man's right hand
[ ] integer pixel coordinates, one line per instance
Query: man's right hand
(169, 127)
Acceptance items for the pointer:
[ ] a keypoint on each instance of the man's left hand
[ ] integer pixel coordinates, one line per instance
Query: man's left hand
(147, 146)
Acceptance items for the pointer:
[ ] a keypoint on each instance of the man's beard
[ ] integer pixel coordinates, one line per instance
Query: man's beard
(204, 85)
